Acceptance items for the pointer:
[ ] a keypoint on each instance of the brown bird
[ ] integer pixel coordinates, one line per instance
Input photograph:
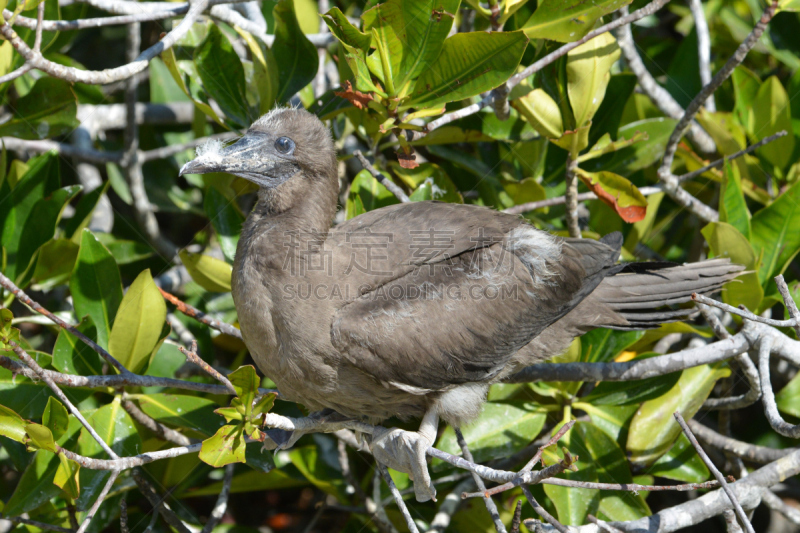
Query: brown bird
(414, 310)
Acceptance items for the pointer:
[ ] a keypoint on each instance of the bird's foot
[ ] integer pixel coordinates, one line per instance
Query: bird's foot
(404, 451)
(280, 439)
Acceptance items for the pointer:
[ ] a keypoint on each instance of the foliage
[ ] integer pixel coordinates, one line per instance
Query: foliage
(389, 70)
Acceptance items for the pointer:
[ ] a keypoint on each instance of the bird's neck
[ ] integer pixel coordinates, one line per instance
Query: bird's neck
(298, 205)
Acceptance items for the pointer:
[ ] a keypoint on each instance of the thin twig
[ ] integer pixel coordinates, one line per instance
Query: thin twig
(98, 501)
(774, 502)
(745, 450)
(159, 504)
(73, 74)
(398, 499)
(36, 523)
(744, 313)
(768, 397)
(621, 487)
(655, 92)
(27, 300)
(33, 365)
(222, 501)
(717, 474)
(208, 369)
(517, 519)
(490, 505)
(720, 162)
(200, 316)
(561, 200)
(731, 524)
(14, 74)
(601, 525)
(542, 512)
(515, 80)
(571, 196)
(383, 180)
(791, 306)
(123, 516)
(703, 48)
(37, 42)
(158, 428)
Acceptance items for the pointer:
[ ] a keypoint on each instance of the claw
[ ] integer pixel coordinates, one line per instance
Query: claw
(405, 451)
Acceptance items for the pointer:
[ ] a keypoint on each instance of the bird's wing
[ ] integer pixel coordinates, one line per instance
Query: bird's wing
(432, 324)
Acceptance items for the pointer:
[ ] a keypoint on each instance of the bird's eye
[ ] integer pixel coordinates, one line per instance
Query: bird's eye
(284, 145)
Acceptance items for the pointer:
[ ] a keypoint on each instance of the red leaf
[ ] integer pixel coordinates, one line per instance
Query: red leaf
(618, 193)
(357, 98)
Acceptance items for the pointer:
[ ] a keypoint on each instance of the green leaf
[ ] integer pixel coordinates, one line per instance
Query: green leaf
(788, 398)
(35, 486)
(429, 176)
(294, 54)
(326, 477)
(588, 74)
(654, 429)
(40, 228)
(681, 463)
(190, 412)
(96, 286)
(356, 47)
(726, 241)
(40, 437)
(29, 398)
(771, 114)
(567, 21)
(67, 477)
(631, 392)
(542, 112)
(225, 447)
(117, 429)
(48, 110)
(367, 193)
(609, 115)
(213, 274)
(469, 64)
(732, 205)
(745, 86)
(226, 219)
(56, 418)
(618, 193)
(775, 237)
(168, 57)
(55, 262)
(245, 381)
(137, 327)
(413, 32)
(502, 429)
(603, 345)
(73, 356)
(11, 424)
(265, 71)
(222, 74)
(83, 212)
(641, 154)
(39, 181)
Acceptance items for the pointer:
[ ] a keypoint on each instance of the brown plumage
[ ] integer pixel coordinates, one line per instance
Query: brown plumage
(414, 309)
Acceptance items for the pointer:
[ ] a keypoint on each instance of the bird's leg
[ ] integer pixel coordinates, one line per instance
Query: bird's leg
(405, 452)
(280, 439)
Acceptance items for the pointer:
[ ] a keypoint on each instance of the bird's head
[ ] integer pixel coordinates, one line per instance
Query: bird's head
(285, 144)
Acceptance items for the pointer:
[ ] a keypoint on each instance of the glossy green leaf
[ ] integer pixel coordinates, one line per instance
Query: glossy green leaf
(631, 392)
(213, 274)
(55, 418)
(226, 219)
(117, 429)
(775, 237)
(608, 117)
(745, 86)
(18, 208)
(367, 193)
(567, 21)
(168, 56)
(96, 286)
(356, 46)
(124, 251)
(245, 380)
(732, 205)
(137, 327)
(225, 447)
(788, 398)
(55, 263)
(573, 505)
(603, 345)
(413, 32)
(641, 154)
(183, 411)
(726, 241)
(265, 72)
(654, 429)
(502, 429)
(67, 477)
(48, 110)
(29, 398)
(73, 356)
(326, 477)
(431, 179)
(40, 436)
(83, 212)
(294, 54)
(588, 74)
(542, 112)
(681, 463)
(223, 75)
(771, 115)
(469, 64)
(11, 424)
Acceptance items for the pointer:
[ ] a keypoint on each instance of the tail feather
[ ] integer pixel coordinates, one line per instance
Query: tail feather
(636, 293)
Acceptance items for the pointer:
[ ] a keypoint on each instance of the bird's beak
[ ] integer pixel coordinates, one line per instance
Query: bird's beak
(252, 157)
